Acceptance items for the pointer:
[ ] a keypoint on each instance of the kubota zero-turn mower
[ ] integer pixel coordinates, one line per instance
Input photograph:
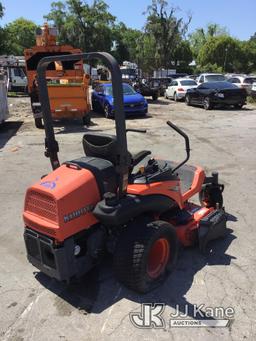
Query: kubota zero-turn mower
(88, 207)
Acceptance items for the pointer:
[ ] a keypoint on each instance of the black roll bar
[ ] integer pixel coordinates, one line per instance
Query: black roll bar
(51, 145)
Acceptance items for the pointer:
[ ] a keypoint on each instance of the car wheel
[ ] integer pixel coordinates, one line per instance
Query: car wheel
(207, 103)
(39, 123)
(146, 253)
(86, 119)
(238, 106)
(154, 97)
(187, 100)
(107, 111)
(94, 106)
(175, 97)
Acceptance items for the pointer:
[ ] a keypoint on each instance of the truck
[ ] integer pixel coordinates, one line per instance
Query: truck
(15, 72)
(67, 82)
(130, 71)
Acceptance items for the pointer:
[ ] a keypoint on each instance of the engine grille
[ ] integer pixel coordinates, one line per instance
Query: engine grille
(41, 205)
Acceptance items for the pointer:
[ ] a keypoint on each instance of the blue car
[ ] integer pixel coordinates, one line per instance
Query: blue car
(102, 100)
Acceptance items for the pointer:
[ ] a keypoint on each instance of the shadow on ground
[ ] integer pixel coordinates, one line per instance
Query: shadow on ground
(99, 289)
(8, 130)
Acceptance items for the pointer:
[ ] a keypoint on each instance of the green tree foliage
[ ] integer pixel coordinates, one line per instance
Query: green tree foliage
(201, 36)
(20, 34)
(164, 33)
(1, 10)
(224, 51)
(88, 27)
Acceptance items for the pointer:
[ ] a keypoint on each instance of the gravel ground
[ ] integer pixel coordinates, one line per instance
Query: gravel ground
(34, 307)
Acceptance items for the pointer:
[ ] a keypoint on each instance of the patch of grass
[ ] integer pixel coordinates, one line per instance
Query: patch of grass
(251, 100)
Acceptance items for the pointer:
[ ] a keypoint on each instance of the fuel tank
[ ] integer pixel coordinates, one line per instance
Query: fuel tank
(61, 204)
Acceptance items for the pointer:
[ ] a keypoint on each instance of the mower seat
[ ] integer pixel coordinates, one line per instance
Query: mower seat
(105, 146)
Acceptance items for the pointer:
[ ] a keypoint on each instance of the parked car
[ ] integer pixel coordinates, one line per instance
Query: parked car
(243, 82)
(102, 100)
(211, 94)
(178, 88)
(253, 93)
(163, 83)
(211, 77)
(177, 75)
(148, 87)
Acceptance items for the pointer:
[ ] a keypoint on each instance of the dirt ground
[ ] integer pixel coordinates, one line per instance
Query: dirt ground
(34, 307)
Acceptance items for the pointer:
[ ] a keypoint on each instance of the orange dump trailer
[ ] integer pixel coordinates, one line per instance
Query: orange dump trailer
(68, 84)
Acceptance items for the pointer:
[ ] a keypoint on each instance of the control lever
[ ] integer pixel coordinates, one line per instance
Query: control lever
(187, 146)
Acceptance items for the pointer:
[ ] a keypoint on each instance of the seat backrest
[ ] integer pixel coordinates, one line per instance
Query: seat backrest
(101, 145)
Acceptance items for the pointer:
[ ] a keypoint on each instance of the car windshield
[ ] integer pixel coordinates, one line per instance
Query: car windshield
(217, 85)
(250, 80)
(188, 82)
(215, 78)
(127, 90)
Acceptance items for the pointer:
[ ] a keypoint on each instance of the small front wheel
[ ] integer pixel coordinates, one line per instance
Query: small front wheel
(211, 196)
(145, 255)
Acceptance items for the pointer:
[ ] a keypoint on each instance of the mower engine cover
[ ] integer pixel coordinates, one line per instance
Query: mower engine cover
(61, 204)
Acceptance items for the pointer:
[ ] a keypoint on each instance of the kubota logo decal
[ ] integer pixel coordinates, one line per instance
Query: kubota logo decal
(49, 184)
(76, 214)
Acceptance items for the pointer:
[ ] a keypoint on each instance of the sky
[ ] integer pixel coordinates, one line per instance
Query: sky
(237, 16)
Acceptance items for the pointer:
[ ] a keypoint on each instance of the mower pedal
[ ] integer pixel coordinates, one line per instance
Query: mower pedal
(211, 227)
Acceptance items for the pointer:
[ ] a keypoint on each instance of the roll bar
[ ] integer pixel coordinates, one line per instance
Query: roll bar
(51, 145)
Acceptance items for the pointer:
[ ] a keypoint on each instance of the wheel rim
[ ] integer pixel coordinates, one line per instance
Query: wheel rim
(206, 103)
(158, 257)
(106, 110)
(187, 99)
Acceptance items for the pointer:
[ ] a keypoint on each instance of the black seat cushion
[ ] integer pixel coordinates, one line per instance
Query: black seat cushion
(105, 146)
(101, 145)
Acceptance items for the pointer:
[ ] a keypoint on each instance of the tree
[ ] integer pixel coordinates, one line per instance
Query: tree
(84, 26)
(164, 33)
(1, 10)
(20, 34)
(223, 51)
(201, 36)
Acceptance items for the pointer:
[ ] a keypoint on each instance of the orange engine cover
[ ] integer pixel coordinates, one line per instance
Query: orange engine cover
(61, 204)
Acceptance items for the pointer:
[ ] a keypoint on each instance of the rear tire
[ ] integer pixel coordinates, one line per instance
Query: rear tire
(39, 123)
(238, 106)
(187, 100)
(86, 119)
(154, 97)
(207, 103)
(175, 97)
(145, 254)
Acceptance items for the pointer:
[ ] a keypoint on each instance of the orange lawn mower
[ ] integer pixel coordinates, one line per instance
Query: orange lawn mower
(99, 204)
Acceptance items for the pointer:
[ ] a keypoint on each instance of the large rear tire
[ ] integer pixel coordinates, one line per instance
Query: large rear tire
(145, 254)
